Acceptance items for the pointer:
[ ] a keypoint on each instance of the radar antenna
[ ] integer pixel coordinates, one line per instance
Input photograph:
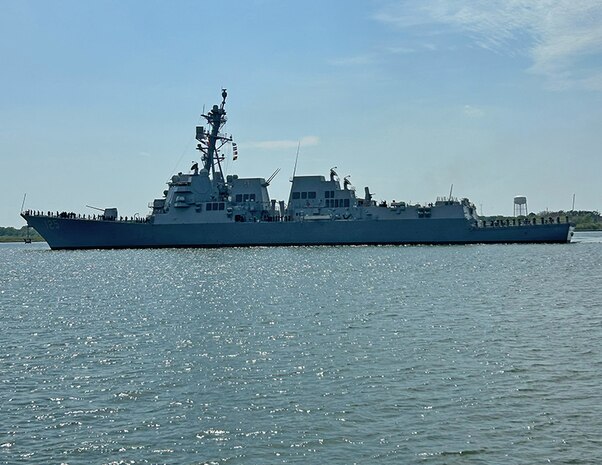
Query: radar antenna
(347, 182)
(333, 173)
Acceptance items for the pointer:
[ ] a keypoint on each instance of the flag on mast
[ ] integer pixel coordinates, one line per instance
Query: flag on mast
(234, 151)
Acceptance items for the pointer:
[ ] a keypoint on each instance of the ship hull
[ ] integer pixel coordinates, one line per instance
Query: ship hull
(75, 233)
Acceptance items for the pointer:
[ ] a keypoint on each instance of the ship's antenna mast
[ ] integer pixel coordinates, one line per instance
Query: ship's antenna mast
(224, 95)
(450, 192)
(25, 196)
(216, 118)
(296, 160)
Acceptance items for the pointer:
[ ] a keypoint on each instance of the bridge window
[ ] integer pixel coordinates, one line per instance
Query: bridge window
(245, 197)
(304, 195)
(215, 206)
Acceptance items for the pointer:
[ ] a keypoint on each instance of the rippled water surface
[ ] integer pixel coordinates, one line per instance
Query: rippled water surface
(456, 354)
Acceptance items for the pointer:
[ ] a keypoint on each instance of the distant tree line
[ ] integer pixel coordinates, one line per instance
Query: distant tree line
(586, 220)
(15, 235)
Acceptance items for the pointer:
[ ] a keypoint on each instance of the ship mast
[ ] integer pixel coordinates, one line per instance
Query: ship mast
(216, 118)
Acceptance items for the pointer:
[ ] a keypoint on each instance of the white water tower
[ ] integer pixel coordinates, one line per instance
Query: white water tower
(520, 205)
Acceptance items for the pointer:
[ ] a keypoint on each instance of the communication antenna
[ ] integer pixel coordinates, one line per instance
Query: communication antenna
(296, 160)
(24, 196)
(450, 192)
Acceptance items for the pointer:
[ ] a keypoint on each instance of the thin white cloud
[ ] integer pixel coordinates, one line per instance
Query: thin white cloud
(592, 81)
(305, 141)
(561, 37)
(473, 112)
(400, 50)
(382, 54)
(354, 60)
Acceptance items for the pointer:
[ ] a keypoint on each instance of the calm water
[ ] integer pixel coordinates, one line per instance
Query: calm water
(436, 355)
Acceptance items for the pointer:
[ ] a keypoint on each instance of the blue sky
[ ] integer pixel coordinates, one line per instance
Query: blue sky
(499, 98)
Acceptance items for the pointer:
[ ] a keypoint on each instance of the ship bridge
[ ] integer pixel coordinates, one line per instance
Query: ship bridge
(317, 195)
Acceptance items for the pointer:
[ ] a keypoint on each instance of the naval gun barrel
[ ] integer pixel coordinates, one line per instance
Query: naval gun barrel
(96, 208)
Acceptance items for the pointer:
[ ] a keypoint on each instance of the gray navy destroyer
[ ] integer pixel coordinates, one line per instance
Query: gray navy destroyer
(207, 208)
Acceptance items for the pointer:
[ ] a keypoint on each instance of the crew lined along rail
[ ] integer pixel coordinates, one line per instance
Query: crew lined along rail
(508, 222)
(78, 216)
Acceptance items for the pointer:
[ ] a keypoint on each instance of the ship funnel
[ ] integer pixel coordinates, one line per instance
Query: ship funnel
(281, 204)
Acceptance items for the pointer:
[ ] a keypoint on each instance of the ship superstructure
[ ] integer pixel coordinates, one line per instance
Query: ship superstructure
(209, 208)
(208, 195)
